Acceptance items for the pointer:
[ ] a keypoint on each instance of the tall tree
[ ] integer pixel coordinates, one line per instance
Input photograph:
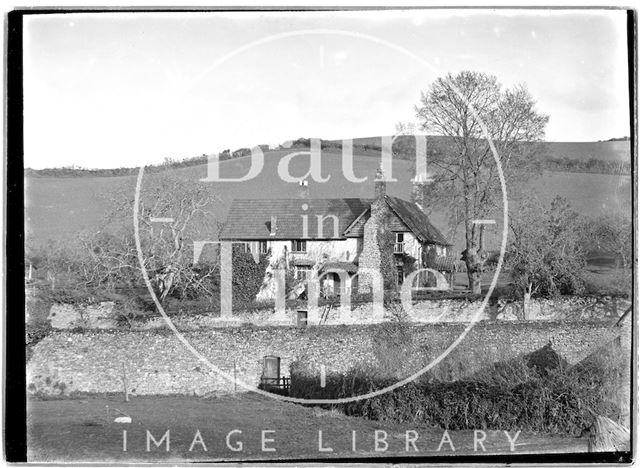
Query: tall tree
(470, 108)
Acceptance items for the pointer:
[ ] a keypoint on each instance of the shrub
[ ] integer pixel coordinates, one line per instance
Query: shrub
(533, 393)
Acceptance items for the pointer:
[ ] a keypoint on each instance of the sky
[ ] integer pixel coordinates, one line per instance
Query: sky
(127, 89)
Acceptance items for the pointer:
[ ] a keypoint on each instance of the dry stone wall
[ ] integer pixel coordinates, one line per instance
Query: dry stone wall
(156, 362)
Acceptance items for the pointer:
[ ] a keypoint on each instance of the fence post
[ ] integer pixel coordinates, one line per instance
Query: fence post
(125, 383)
(234, 377)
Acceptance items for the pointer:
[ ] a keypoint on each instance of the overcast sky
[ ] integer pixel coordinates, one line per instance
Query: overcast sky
(124, 89)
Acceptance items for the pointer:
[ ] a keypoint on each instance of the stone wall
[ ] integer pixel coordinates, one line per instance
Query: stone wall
(65, 316)
(156, 362)
(370, 259)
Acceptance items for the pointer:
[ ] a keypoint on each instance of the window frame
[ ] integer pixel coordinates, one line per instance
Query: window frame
(398, 246)
(302, 272)
(301, 243)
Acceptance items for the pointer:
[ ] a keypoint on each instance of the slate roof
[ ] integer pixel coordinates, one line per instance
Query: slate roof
(417, 221)
(250, 219)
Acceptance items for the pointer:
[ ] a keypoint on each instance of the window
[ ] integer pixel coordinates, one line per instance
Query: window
(264, 247)
(400, 271)
(299, 246)
(302, 272)
(399, 246)
(244, 247)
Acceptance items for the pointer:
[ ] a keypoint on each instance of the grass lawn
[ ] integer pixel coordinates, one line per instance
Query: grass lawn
(75, 430)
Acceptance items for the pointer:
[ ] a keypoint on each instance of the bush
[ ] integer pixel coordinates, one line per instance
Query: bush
(538, 392)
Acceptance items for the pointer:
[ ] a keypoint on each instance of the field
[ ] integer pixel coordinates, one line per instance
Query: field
(80, 430)
(58, 208)
(605, 150)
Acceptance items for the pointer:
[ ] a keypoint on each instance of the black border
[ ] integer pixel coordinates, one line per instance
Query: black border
(15, 414)
(15, 424)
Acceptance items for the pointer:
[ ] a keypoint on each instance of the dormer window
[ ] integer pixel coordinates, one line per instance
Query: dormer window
(299, 246)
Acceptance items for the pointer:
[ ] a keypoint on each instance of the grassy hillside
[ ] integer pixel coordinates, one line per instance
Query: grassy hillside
(605, 150)
(58, 208)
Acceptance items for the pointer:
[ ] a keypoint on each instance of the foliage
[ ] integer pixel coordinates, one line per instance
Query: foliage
(392, 342)
(611, 232)
(57, 263)
(75, 171)
(591, 165)
(108, 258)
(473, 109)
(512, 395)
(545, 256)
(247, 276)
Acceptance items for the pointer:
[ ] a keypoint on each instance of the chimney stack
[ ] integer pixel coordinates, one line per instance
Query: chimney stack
(304, 189)
(274, 226)
(380, 184)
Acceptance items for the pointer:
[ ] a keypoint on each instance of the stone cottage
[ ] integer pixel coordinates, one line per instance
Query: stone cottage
(336, 238)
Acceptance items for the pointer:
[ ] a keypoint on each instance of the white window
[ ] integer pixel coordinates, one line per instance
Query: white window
(264, 247)
(299, 246)
(302, 272)
(399, 246)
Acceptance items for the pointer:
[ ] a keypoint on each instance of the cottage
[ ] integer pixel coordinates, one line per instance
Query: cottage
(337, 238)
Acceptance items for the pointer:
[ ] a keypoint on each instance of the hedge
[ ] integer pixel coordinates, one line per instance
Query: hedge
(531, 393)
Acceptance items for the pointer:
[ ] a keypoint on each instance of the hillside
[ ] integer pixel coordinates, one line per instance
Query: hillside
(58, 208)
(619, 150)
(608, 157)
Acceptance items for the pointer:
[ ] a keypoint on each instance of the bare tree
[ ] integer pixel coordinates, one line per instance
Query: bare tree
(470, 108)
(173, 213)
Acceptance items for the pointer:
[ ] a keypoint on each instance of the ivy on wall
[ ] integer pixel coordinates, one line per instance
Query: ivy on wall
(247, 275)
